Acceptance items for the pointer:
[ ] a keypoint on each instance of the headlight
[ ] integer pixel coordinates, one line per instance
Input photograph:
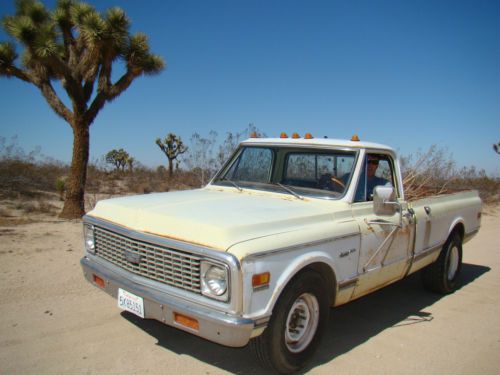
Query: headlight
(88, 237)
(214, 280)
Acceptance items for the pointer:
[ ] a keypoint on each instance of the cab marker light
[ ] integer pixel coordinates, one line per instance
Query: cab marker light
(295, 135)
(355, 138)
(283, 135)
(308, 136)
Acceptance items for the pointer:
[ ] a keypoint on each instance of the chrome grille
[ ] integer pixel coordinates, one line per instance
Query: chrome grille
(169, 266)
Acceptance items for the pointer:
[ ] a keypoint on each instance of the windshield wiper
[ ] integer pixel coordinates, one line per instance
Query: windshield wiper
(290, 191)
(232, 183)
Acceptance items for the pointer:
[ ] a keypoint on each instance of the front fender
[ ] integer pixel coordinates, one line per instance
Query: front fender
(339, 256)
(260, 302)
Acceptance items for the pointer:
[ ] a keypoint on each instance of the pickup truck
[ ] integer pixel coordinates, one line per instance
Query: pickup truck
(287, 229)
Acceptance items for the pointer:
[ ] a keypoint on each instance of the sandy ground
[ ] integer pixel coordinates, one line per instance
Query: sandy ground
(54, 322)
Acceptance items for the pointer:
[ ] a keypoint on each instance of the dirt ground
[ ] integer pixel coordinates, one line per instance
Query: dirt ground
(54, 322)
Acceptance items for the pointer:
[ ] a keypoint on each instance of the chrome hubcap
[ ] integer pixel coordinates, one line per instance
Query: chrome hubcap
(453, 259)
(301, 323)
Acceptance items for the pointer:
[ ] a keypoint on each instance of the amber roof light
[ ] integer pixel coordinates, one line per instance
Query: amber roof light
(283, 135)
(295, 135)
(355, 138)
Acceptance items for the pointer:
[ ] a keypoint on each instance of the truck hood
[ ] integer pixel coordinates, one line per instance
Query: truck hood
(211, 217)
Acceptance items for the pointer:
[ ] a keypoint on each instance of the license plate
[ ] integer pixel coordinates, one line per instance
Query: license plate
(130, 302)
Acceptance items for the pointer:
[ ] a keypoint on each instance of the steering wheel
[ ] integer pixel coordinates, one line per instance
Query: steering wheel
(338, 182)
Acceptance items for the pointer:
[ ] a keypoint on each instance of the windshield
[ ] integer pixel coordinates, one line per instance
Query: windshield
(305, 172)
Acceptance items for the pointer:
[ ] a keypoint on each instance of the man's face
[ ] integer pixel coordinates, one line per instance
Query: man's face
(372, 166)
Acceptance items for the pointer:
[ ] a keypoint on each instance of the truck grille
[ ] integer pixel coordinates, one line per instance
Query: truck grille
(169, 266)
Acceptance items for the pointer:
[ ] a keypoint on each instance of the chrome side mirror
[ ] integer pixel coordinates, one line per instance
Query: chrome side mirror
(385, 202)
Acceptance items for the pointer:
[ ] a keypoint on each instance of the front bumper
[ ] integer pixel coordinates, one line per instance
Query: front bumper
(213, 325)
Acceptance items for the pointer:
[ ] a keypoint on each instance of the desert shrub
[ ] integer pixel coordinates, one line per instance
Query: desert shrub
(4, 212)
(434, 172)
(46, 208)
(143, 180)
(61, 187)
(39, 207)
(26, 173)
(96, 175)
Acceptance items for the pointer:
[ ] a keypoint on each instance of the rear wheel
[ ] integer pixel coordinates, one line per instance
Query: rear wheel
(442, 275)
(296, 325)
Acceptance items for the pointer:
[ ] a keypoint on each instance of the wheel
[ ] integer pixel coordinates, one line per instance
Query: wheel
(442, 275)
(296, 324)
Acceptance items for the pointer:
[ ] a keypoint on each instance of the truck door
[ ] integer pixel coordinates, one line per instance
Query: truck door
(385, 240)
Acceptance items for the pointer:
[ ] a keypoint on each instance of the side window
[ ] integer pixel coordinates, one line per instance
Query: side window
(377, 170)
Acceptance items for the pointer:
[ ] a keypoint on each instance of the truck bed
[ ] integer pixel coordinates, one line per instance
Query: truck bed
(437, 216)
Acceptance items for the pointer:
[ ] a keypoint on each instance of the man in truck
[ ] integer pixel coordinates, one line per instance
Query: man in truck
(368, 179)
(373, 180)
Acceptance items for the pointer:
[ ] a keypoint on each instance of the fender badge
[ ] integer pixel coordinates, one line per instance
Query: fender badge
(346, 253)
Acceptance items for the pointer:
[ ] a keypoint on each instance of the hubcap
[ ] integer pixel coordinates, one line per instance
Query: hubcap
(453, 260)
(301, 323)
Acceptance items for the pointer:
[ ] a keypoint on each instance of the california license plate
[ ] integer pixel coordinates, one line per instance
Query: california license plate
(130, 302)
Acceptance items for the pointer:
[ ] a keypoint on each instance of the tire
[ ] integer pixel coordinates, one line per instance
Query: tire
(442, 275)
(296, 325)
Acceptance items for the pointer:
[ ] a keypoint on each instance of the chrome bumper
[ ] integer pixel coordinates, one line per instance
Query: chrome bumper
(214, 326)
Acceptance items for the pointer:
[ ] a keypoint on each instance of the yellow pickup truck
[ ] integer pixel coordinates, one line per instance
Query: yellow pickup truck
(287, 229)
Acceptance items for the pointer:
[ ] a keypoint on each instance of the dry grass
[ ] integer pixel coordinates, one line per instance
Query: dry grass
(12, 221)
(32, 187)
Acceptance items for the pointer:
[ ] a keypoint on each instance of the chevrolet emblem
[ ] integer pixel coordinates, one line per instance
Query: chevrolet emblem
(132, 257)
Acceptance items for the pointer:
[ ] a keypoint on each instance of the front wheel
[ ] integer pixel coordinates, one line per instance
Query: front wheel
(442, 275)
(295, 328)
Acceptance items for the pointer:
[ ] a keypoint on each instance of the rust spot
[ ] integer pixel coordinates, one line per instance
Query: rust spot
(183, 240)
(160, 235)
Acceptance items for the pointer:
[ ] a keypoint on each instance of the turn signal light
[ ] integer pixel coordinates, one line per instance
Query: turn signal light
(283, 135)
(261, 280)
(186, 321)
(98, 281)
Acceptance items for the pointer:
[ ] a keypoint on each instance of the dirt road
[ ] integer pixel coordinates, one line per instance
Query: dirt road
(54, 322)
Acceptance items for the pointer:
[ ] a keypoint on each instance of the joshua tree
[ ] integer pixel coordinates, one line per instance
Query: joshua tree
(172, 146)
(130, 163)
(118, 158)
(76, 45)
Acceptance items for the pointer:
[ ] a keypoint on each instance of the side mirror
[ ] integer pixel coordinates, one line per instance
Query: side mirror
(384, 200)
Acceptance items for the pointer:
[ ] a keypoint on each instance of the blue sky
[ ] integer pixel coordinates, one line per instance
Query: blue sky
(409, 74)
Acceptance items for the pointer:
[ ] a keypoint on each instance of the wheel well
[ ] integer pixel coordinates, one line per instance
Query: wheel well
(460, 229)
(327, 273)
